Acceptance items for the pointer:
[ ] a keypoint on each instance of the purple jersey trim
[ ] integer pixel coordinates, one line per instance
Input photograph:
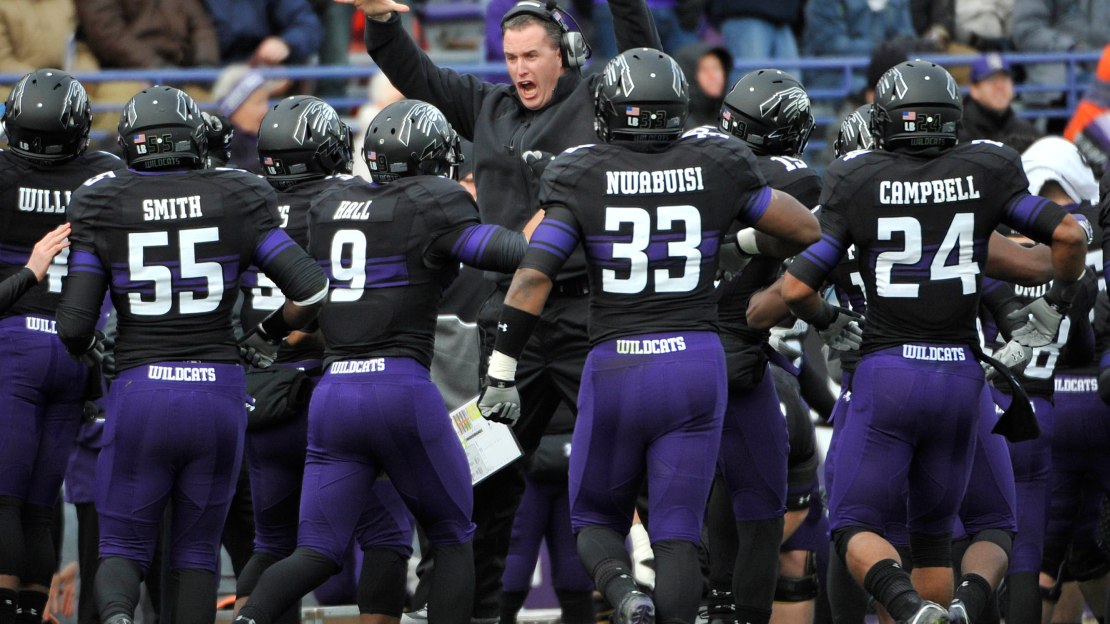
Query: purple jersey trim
(274, 243)
(81, 260)
(471, 244)
(555, 237)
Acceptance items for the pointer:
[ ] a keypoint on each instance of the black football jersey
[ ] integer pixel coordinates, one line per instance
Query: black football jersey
(33, 201)
(791, 176)
(172, 247)
(261, 295)
(920, 225)
(651, 224)
(373, 242)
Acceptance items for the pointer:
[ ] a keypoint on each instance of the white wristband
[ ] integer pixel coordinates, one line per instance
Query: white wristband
(501, 366)
(745, 240)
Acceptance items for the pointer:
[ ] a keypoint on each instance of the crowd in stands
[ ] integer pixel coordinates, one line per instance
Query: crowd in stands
(706, 35)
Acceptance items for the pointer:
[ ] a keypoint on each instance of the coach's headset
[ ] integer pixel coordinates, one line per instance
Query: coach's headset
(572, 44)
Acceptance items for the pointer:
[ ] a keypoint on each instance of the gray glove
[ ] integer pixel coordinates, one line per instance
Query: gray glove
(844, 332)
(1042, 322)
(499, 401)
(1014, 355)
(258, 348)
(731, 259)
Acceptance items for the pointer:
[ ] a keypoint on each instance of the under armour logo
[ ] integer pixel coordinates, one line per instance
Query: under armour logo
(503, 327)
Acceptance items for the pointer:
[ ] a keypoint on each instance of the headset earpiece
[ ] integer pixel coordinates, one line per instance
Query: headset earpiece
(572, 45)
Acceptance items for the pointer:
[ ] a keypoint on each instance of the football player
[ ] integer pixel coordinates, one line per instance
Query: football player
(170, 239)
(769, 110)
(302, 144)
(650, 209)
(915, 404)
(390, 250)
(47, 117)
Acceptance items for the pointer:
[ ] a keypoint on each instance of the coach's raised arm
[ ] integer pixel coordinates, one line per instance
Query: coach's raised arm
(548, 107)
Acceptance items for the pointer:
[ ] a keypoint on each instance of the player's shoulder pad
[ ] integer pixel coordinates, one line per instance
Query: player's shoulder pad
(437, 186)
(986, 152)
(103, 159)
(725, 147)
(702, 133)
(573, 155)
(573, 158)
(340, 186)
(98, 178)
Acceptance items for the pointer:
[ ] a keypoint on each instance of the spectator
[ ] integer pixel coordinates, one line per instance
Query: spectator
(672, 21)
(40, 33)
(988, 113)
(706, 67)
(149, 33)
(1057, 26)
(854, 27)
(984, 24)
(934, 19)
(266, 32)
(851, 28)
(243, 95)
(756, 29)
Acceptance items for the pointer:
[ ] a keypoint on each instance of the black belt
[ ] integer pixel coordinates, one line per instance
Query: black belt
(573, 287)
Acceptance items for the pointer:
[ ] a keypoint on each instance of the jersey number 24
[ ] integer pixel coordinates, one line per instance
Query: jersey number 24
(960, 237)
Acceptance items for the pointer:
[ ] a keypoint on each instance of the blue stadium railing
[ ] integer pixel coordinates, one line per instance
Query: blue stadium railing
(1078, 69)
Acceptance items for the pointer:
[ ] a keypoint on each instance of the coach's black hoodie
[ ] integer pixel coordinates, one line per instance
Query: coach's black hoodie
(493, 118)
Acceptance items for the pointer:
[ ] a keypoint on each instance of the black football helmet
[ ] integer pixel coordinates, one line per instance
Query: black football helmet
(917, 105)
(410, 138)
(47, 117)
(770, 111)
(642, 97)
(855, 132)
(302, 138)
(162, 128)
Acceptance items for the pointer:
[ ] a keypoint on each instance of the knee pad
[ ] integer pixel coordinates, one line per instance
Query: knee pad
(841, 537)
(998, 537)
(931, 551)
(799, 588)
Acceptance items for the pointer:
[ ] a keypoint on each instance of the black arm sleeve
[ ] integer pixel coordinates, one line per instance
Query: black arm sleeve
(458, 96)
(483, 246)
(633, 25)
(15, 287)
(295, 272)
(79, 309)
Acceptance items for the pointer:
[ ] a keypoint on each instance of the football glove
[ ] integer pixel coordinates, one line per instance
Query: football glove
(499, 401)
(1014, 355)
(732, 259)
(1041, 323)
(843, 333)
(258, 348)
